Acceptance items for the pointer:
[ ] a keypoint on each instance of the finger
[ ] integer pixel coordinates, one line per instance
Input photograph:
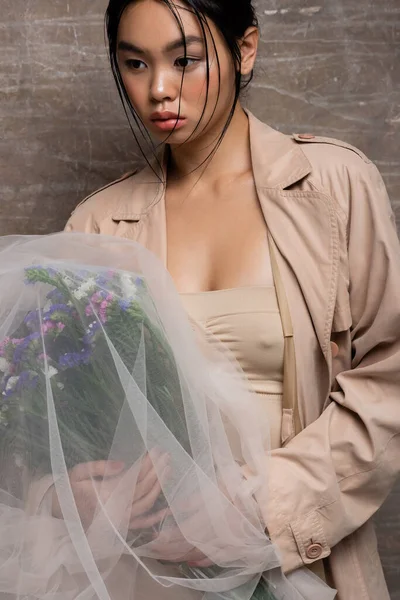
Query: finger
(151, 478)
(146, 503)
(147, 463)
(145, 522)
(183, 553)
(201, 563)
(194, 555)
(99, 468)
(172, 553)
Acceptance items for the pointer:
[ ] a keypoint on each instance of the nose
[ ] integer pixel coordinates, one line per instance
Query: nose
(163, 86)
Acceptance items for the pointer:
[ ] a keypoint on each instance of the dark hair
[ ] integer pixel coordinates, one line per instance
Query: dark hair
(231, 17)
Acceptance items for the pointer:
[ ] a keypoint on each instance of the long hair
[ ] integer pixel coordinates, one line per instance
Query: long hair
(231, 17)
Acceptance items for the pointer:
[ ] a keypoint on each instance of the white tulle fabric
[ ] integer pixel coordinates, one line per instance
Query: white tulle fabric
(211, 504)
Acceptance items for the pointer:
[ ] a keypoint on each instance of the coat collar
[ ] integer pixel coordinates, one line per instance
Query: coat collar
(278, 162)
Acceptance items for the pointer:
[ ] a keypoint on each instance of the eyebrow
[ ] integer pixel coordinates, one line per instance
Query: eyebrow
(190, 39)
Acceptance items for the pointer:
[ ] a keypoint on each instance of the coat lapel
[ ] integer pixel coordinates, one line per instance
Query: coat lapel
(302, 223)
(141, 215)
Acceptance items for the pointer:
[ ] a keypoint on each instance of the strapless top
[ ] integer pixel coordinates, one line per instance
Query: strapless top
(247, 322)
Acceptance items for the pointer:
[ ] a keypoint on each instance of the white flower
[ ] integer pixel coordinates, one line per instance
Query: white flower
(47, 306)
(51, 371)
(4, 365)
(129, 289)
(11, 383)
(83, 290)
(68, 281)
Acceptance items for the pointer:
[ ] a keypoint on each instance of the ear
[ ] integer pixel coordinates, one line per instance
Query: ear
(248, 49)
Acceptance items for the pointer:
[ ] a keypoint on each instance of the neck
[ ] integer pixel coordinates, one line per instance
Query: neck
(232, 156)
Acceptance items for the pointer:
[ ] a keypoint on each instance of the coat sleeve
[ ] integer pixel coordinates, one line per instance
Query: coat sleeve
(332, 477)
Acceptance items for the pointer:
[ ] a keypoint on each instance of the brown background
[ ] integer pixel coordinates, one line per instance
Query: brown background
(331, 67)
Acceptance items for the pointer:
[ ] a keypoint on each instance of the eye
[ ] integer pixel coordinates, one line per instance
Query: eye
(186, 62)
(135, 64)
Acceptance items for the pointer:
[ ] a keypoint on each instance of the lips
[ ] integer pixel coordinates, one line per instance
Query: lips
(165, 116)
(167, 121)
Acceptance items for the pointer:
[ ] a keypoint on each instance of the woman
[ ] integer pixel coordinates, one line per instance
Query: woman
(263, 232)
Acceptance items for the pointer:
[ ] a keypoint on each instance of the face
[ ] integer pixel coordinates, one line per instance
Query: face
(168, 89)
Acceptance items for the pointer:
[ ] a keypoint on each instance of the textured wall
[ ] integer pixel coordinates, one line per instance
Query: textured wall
(330, 67)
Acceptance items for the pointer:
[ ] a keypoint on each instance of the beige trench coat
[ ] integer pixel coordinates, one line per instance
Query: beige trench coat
(327, 210)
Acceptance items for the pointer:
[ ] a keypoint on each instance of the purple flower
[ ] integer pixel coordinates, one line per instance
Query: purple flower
(20, 349)
(56, 295)
(124, 304)
(90, 332)
(27, 379)
(103, 280)
(139, 281)
(32, 319)
(57, 308)
(75, 359)
(13, 384)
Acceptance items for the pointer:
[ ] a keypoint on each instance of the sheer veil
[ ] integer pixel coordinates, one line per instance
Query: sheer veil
(107, 393)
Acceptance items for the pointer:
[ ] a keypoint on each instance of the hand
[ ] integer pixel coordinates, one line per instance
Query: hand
(172, 544)
(101, 479)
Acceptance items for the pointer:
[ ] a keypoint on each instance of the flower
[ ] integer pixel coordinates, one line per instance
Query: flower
(28, 379)
(90, 332)
(56, 296)
(56, 310)
(52, 326)
(25, 343)
(3, 344)
(129, 289)
(4, 365)
(32, 319)
(124, 304)
(68, 281)
(84, 289)
(11, 383)
(75, 359)
(51, 372)
(47, 326)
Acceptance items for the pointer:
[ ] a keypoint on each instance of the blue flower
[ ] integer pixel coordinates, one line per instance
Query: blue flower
(75, 359)
(20, 349)
(56, 295)
(59, 308)
(124, 304)
(139, 281)
(27, 379)
(32, 319)
(90, 332)
(103, 280)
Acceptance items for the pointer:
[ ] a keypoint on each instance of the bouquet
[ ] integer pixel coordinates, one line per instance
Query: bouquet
(67, 344)
(99, 363)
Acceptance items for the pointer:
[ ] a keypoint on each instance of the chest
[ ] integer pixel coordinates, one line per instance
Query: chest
(217, 240)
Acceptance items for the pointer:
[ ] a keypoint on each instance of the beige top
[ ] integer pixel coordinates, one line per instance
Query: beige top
(247, 322)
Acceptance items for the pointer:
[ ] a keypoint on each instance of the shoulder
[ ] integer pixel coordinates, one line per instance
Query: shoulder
(313, 146)
(340, 170)
(101, 204)
(107, 197)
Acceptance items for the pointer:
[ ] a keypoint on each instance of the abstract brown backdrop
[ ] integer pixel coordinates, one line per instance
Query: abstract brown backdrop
(330, 67)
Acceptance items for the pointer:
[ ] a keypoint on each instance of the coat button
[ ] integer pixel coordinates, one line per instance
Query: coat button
(335, 349)
(306, 136)
(314, 551)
